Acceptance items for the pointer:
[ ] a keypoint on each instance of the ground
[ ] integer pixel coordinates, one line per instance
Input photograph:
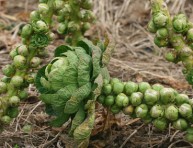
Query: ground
(135, 58)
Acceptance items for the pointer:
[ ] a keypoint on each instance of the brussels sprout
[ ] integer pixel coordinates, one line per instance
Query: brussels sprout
(65, 11)
(12, 112)
(62, 28)
(23, 50)
(143, 86)
(40, 26)
(87, 16)
(160, 123)
(189, 137)
(182, 98)
(162, 33)
(185, 110)
(147, 119)
(86, 4)
(136, 98)
(118, 87)
(130, 87)
(160, 19)
(190, 35)
(35, 62)
(27, 30)
(180, 124)
(157, 111)
(23, 94)
(180, 23)
(17, 81)
(109, 100)
(19, 61)
(170, 57)
(27, 128)
(151, 27)
(58, 4)
(190, 101)
(6, 120)
(5, 79)
(34, 16)
(3, 87)
(8, 70)
(73, 27)
(160, 42)
(151, 96)
(14, 101)
(141, 111)
(86, 26)
(101, 99)
(114, 80)
(13, 53)
(105, 82)
(128, 110)
(189, 130)
(43, 8)
(157, 87)
(115, 109)
(107, 89)
(167, 95)
(171, 113)
(122, 100)
(51, 36)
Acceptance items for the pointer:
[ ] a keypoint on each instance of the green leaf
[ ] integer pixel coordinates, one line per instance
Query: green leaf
(12, 112)
(105, 73)
(86, 44)
(62, 49)
(77, 97)
(39, 41)
(60, 120)
(98, 87)
(96, 57)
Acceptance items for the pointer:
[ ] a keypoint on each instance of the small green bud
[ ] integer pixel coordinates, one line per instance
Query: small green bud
(171, 113)
(26, 31)
(122, 100)
(107, 89)
(185, 52)
(34, 16)
(185, 110)
(23, 94)
(23, 50)
(167, 95)
(115, 109)
(157, 87)
(3, 87)
(87, 4)
(118, 87)
(5, 79)
(12, 112)
(51, 36)
(162, 33)
(60, 18)
(147, 119)
(17, 81)
(128, 110)
(58, 4)
(109, 100)
(43, 8)
(151, 27)
(160, 42)
(14, 101)
(8, 70)
(73, 27)
(105, 82)
(177, 42)
(170, 57)
(62, 28)
(114, 80)
(87, 16)
(141, 111)
(157, 111)
(180, 23)
(19, 61)
(143, 86)
(189, 137)
(6, 120)
(151, 96)
(30, 78)
(13, 53)
(35, 62)
(86, 26)
(40, 26)
(101, 99)
(182, 98)
(190, 101)
(160, 19)
(130, 87)
(160, 123)
(65, 11)
(27, 128)
(190, 35)
(180, 124)
(136, 98)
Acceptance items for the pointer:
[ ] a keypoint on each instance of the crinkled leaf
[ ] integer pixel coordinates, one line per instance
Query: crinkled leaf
(60, 120)
(96, 57)
(78, 119)
(77, 97)
(62, 49)
(39, 41)
(105, 73)
(86, 44)
(98, 84)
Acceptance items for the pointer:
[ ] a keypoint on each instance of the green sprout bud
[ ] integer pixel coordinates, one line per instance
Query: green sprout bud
(136, 98)
(177, 42)
(65, 11)
(157, 87)
(122, 100)
(23, 94)
(26, 31)
(151, 96)
(160, 42)
(180, 124)
(180, 23)
(171, 113)
(151, 27)
(185, 110)
(105, 82)
(157, 111)
(185, 52)
(14, 101)
(182, 98)
(6, 120)
(190, 101)
(23, 50)
(141, 111)
(6, 79)
(101, 99)
(189, 137)
(12, 112)
(190, 35)
(34, 16)
(189, 130)
(30, 78)
(143, 86)
(19, 61)
(60, 18)
(118, 87)
(114, 80)
(73, 27)
(13, 53)
(58, 4)
(87, 16)
(170, 57)
(43, 8)
(107, 89)
(86, 26)
(162, 33)
(115, 109)
(147, 119)
(35, 62)
(87, 4)
(167, 95)
(40, 26)
(109, 100)
(27, 128)
(17, 81)
(62, 28)
(8, 70)
(128, 110)
(51, 36)
(160, 20)
(160, 123)
(3, 87)
(130, 87)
